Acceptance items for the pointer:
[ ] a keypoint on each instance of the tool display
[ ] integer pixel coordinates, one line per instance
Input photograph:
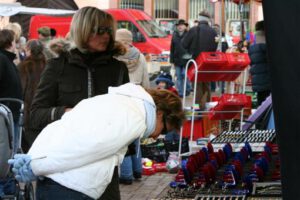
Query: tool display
(224, 174)
(256, 138)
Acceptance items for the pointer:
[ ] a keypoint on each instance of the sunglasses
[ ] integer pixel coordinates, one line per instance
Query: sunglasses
(102, 30)
(165, 129)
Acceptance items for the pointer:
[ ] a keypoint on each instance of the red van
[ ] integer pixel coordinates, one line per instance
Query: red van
(148, 37)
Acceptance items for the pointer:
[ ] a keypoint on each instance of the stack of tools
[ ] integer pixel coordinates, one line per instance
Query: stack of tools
(224, 173)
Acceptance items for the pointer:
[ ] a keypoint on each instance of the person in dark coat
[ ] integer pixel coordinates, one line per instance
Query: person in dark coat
(83, 72)
(30, 72)
(260, 72)
(199, 39)
(177, 57)
(10, 83)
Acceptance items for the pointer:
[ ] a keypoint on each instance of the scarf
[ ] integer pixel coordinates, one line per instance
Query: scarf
(203, 18)
(131, 58)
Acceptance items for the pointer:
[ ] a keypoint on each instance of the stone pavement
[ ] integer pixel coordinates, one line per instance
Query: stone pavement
(149, 187)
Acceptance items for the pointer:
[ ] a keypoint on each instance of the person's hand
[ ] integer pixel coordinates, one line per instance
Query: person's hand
(21, 168)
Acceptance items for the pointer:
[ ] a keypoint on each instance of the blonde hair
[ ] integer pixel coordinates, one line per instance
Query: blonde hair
(85, 21)
(16, 28)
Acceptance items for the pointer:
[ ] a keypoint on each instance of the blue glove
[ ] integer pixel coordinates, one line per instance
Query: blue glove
(21, 168)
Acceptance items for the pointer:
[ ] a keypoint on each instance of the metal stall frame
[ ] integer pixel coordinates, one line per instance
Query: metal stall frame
(194, 64)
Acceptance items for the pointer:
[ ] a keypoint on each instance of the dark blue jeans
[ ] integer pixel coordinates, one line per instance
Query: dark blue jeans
(132, 164)
(48, 189)
(180, 74)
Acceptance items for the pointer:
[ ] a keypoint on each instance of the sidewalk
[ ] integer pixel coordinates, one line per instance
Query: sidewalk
(149, 187)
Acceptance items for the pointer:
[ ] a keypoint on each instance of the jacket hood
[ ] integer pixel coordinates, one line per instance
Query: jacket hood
(132, 90)
(260, 37)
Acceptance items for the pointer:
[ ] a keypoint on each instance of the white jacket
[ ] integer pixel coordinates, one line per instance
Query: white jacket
(81, 150)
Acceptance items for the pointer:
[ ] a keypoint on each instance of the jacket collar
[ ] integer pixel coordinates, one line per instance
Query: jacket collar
(85, 60)
(11, 56)
(177, 33)
(203, 22)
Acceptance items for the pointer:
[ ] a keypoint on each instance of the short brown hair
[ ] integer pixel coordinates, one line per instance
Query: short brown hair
(85, 21)
(6, 38)
(204, 13)
(44, 31)
(170, 104)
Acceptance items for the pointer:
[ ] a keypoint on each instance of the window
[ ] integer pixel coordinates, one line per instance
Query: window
(134, 4)
(137, 36)
(233, 10)
(196, 6)
(152, 29)
(166, 8)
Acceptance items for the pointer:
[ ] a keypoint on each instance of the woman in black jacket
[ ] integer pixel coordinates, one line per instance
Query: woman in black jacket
(10, 84)
(83, 72)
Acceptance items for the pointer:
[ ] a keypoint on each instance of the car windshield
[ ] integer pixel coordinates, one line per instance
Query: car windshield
(152, 29)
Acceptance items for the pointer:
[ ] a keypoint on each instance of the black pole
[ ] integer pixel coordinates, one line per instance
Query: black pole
(282, 32)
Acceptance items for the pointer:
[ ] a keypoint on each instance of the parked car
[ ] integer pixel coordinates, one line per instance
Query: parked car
(148, 37)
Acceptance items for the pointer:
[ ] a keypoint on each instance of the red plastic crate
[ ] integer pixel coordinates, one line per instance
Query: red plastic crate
(236, 62)
(198, 129)
(148, 171)
(228, 102)
(208, 61)
(160, 167)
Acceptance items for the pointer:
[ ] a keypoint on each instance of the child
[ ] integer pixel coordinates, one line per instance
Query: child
(164, 81)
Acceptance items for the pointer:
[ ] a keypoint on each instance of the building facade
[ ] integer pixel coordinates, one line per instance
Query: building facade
(167, 12)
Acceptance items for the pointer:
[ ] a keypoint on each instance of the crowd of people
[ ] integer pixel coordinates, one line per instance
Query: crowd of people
(54, 76)
(87, 98)
(188, 42)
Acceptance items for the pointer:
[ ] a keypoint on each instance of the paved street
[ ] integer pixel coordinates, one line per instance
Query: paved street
(149, 187)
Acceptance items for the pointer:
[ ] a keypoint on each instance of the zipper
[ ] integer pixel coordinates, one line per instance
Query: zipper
(90, 86)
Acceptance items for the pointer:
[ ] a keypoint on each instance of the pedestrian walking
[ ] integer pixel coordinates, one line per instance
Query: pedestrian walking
(178, 57)
(199, 39)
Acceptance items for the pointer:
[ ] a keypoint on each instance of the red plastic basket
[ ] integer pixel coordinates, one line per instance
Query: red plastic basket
(208, 61)
(198, 129)
(228, 102)
(236, 62)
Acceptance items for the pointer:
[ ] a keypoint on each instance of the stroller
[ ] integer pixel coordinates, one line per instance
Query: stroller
(10, 144)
